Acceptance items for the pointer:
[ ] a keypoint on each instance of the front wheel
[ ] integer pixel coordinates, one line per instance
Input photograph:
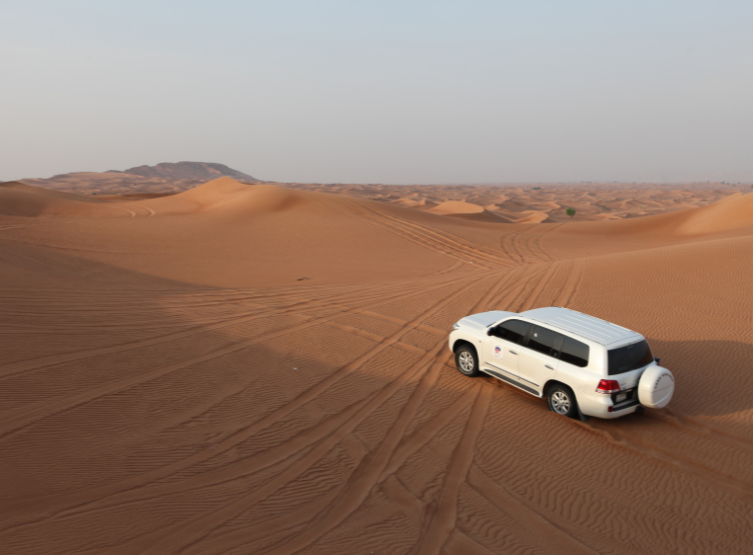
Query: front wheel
(561, 400)
(466, 361)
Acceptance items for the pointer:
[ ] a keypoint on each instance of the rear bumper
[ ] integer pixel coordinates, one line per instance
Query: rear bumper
(598, 406)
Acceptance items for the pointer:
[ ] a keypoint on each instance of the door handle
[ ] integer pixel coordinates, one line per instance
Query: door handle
(513, 352)
(550, 368)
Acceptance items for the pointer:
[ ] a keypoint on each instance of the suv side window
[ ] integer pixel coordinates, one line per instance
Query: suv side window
(574, 352)
(542, 340)
(515, 331)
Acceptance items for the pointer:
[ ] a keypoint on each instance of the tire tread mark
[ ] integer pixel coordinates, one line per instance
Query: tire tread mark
(443, 519)
(434, 239)
(52, 360)
(184, 535)
(368, 474)
(26, 418)
(572, 284)
(722, 480)
(557, 539)
(247, 432)
(534, 295)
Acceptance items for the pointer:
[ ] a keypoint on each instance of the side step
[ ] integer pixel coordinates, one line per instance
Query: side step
(504, 378)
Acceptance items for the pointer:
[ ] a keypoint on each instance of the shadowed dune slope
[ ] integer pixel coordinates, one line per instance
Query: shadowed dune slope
(168, 386)
(19, 199)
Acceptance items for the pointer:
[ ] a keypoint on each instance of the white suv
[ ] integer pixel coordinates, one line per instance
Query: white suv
(584, 366)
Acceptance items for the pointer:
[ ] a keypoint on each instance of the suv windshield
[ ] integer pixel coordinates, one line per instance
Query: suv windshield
(630, 357)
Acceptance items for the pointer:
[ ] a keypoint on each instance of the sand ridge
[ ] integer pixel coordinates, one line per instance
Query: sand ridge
(262, 369)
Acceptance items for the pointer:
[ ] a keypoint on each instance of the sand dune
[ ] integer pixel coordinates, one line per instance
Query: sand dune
(456, 207)
(732, 213)
(593, 201)
(170, 384)
(531, 217)
(19, 199)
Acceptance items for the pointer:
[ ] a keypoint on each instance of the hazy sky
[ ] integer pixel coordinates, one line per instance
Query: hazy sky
(381, 91)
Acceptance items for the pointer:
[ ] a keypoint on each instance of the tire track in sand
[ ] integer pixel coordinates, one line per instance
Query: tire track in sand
(372, 470)
(571, 285)
(217, 518)
(237, 437)
(636, 443)
(540, 241)
(557, 539)
(365, 479)
(444, 513)
(434, 239)
(184, 535)
(21, 420)
(52, 360)
(543, 282)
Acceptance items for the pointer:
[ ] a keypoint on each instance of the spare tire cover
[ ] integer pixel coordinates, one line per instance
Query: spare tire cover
(656, 387)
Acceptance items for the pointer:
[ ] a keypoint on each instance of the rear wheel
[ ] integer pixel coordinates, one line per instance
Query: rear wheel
(466, 360)
(561, 400)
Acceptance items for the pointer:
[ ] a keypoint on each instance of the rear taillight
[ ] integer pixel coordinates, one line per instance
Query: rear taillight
(608, 386)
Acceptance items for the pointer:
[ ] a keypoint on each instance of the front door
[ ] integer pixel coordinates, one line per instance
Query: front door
(537, 362)
(503, 347)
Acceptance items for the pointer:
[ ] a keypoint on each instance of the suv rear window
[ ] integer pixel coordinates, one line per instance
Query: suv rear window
(629, 357)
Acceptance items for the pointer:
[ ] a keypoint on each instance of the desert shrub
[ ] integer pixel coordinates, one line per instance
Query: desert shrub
(570, 212)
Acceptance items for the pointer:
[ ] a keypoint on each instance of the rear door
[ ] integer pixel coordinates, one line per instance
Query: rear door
(503, 347)
(537, 361)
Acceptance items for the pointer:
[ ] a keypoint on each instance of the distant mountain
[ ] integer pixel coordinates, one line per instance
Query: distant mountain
(162, 178)
(190, 170)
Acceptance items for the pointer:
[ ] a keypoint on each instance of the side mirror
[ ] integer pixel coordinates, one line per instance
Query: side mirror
(657, 360)
(490, 332)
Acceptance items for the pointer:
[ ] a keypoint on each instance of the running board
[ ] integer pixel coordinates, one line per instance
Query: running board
(504, 378)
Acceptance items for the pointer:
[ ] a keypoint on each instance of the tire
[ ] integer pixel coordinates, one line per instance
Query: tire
(466, 360)
(561, 400)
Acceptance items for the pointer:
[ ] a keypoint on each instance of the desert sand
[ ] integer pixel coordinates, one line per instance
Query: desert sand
(259, 369)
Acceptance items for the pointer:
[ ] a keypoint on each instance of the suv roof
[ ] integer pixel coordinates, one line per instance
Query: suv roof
(581, 324)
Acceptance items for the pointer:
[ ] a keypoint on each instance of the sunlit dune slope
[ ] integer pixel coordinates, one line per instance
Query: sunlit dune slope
(232, 197)
(730, 214)
(730, 217)
(693, 300)
(456, 207)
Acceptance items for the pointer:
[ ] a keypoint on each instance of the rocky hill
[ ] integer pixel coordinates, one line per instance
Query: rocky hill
(162, 178)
